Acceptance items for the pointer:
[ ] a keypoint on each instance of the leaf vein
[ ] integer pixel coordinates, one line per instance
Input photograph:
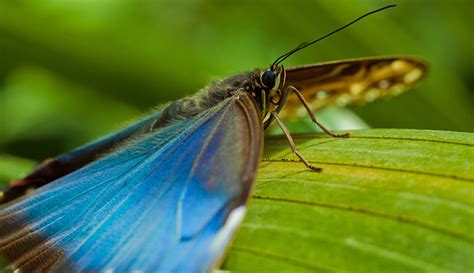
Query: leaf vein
(398, 218)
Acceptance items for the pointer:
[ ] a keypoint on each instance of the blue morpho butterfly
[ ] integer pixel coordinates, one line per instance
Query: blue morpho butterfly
(167, 193)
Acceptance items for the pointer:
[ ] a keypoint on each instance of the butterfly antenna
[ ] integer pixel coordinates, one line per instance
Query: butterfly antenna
(306, 44)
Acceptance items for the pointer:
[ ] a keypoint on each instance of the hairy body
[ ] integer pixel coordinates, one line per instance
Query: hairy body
(206, 98)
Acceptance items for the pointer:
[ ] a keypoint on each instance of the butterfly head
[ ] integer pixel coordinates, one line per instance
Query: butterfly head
(270, 81)
(267, 87)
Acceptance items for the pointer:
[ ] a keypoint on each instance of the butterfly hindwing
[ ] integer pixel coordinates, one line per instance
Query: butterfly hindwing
(352, 82)
(160, 203)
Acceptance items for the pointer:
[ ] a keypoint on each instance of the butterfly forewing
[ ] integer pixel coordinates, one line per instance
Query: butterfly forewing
(352, 82)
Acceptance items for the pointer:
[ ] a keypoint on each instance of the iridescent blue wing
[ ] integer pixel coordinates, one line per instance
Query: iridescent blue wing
(52, 169)
(168, 201)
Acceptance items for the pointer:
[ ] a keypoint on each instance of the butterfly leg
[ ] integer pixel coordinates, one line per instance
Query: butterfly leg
(311, 113)
(292, 143)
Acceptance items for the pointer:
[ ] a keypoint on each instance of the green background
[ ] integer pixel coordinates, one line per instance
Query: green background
(388, 200)
(71, 71)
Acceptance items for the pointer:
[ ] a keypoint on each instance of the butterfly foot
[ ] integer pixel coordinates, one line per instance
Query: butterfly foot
(315, 169)
(346, 134)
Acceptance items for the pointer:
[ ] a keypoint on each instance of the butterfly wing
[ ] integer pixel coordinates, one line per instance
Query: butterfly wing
(61, 165)
(352, 82)
(169, 201)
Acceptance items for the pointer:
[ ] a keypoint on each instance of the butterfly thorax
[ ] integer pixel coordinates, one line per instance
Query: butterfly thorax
(205, 99)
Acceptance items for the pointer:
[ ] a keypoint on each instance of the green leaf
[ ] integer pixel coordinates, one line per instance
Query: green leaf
(387, 201)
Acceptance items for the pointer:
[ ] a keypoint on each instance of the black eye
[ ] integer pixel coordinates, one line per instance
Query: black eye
(268, 79)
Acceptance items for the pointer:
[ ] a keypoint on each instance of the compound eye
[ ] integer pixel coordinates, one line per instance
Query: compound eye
(268, 79)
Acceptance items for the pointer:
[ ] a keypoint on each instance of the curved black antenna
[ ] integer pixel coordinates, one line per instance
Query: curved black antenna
(306, 44)
(284, 55)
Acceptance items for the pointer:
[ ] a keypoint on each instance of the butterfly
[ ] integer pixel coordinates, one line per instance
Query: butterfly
(167, 193)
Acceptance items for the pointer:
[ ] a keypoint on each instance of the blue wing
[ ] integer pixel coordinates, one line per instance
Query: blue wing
(168, 201)
(52, 169)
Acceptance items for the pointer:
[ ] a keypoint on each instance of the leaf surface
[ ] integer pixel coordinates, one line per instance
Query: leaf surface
(387, 201)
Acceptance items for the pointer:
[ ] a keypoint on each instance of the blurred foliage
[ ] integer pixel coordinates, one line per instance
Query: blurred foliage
(12, 167)
(72, 70)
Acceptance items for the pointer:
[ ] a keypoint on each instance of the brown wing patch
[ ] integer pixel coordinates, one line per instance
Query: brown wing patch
(352, 82)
